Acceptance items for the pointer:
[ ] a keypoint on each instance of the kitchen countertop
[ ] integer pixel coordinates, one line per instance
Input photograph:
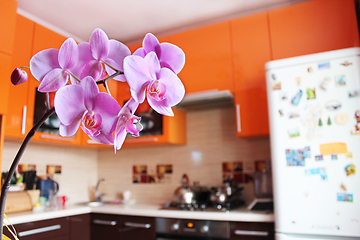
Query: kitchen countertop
(146, 210)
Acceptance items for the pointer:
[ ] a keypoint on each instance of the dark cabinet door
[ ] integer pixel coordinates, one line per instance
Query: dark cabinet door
(251, 231)
(135, 228)
(80, 227)
(106, 226)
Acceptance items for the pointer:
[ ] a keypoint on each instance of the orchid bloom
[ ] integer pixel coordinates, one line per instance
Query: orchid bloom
(126, 123)
(83, 104)
(162, 86)
(169, 55)
(18, 76)
(100, 50)
(52, 67)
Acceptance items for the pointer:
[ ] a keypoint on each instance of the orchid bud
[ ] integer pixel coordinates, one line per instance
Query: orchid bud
(18, 76)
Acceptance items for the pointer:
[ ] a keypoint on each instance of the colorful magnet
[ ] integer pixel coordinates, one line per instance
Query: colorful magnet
(293, 114)
(297, 98)
(345, 197)
(324, 65)
(343, 186)
(294, 157)
(310, 70)
(340, 81)
(317, 171)
(341, 118)
(320, 122)
(350, 169)
(307, 152)
(332, 105)
(294, 133)
(329, 121)
(273, 76)
(298, 81)
(348, 155)
(319, 158)
(311, 94)
(276, 86)
(357, 116)
(334, 157)
(354, 93)
(325, 84)
(346, 63)
(281, 112)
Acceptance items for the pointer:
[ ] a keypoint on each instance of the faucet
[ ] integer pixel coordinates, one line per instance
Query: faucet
(98, 196)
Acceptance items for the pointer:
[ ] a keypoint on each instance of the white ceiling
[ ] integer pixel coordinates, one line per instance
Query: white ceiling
(129, 20)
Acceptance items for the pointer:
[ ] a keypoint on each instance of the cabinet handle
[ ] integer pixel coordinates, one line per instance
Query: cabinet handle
(104, 222)
(251, 233)
(39, 230)
(137, 225)
(23, 121)
(135, 140)
(238, 123)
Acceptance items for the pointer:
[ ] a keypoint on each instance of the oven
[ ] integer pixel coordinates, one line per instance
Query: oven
(177, 229)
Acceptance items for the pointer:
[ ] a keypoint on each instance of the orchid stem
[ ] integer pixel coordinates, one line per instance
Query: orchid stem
(6, 185)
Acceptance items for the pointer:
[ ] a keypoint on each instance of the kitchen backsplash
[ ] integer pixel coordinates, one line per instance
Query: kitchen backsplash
(152, 173)
(211, 142)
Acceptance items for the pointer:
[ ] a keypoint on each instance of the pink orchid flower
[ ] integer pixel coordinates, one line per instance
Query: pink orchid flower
(18, 76)
(52, 67)
(169, 55)
(83, 104)
(126, 123)
(100, 50)
(162, 86)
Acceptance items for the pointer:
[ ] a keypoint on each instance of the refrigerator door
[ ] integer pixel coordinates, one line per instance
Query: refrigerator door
(315, 143)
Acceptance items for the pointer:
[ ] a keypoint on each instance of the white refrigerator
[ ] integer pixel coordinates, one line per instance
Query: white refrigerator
(314, 117)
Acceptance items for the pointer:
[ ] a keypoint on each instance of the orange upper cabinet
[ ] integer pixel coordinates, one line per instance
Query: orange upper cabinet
(313, 26)
(5, 72)
(7, 25)
(17, 122)
(208, 63)
(251, 50)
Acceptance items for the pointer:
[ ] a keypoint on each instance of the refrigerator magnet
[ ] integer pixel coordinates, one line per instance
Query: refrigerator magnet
(273, 76)
(350, 169)
(340, 81)
(345, 197)
(343, 186)
(354, 93)
(298, 81)
(294, 158)
(281, 112)
(310, 69)
(357, 116)
(323, 65)
(297, 97)
(329, 121)
(294, 114)
(334, 157)
(311, 93)
(332, 105)
(319, 158)
(276, 86)
(320, 122)
(346, 63)
(325, 84)
(341, 118)
(294, 133)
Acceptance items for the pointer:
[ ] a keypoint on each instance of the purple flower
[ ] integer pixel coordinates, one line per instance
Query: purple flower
(100, 50)
(83, 104)
(126, 123)
(169, 55)
(18, 76)
(52, 67)
(162, 86)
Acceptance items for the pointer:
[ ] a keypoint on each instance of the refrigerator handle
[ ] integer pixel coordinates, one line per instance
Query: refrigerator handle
(238, 123)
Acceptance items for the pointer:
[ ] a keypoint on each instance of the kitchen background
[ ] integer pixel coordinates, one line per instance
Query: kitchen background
(211, 141)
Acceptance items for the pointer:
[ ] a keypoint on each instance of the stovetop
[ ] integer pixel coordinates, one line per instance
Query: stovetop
(206, 207)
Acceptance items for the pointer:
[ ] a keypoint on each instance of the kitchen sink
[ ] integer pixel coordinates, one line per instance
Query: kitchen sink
(95, 204)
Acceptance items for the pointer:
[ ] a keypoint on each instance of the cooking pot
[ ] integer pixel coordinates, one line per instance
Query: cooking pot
(186, 194)
(224, 193)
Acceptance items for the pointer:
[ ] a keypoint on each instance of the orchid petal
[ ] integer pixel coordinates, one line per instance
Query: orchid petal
(161, 107)
(18, 76)
(84, 57)
(172, 57)
(118, 51)
(150, 42)
(53, 81)
(107, 139)
(140, 52)
(43, 62)
(69, 104)
(137, 75)
(68, 54)
(99, 44)
(93, 69)
(90, 91)
(69, 130)
(119, 139)
(153, 64)
(175, 90)
(108, 108)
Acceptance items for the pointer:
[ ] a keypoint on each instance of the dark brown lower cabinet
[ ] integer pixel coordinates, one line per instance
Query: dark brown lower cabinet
(251, 231)
(108, 226)
(65, 228)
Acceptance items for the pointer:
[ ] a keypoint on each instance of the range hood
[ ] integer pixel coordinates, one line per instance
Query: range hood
(211, 98)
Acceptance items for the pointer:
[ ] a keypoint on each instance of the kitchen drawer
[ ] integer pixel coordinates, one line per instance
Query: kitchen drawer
(136, 228)
(106, 226)
(251, 231)
(40, 230)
